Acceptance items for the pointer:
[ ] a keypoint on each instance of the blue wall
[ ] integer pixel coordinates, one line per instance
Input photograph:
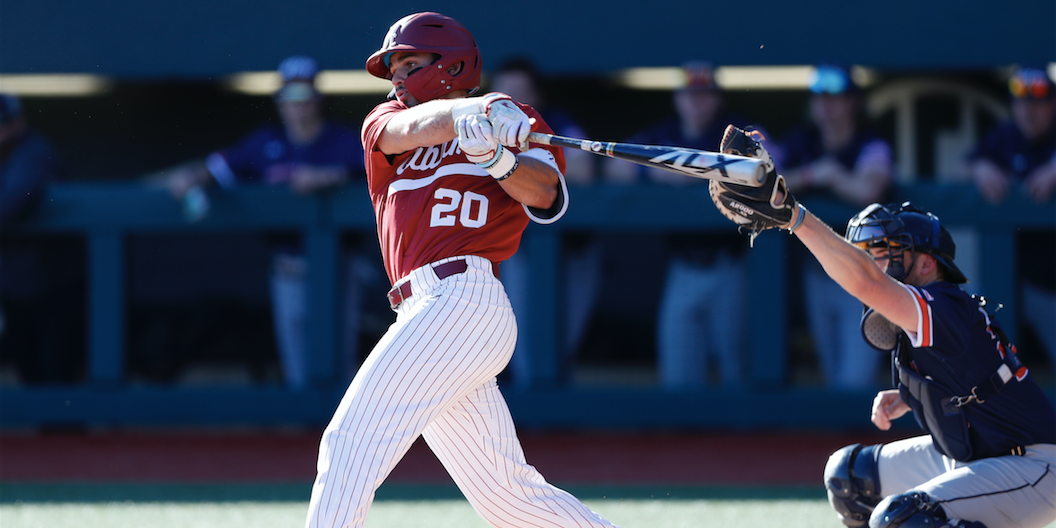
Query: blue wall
(208, 38)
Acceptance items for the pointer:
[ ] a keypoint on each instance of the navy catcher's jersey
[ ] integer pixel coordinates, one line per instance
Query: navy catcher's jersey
(266, 156)
(956, 345)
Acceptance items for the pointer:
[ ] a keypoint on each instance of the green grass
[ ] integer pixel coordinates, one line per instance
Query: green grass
(397, 506)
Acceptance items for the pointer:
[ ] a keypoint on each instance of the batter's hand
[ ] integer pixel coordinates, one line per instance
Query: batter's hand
(477, 139)
(477, 105)
(512, 125)
(887, 406)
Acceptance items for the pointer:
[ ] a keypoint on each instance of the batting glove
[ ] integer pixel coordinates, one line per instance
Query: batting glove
(477, 140)
(510, 123)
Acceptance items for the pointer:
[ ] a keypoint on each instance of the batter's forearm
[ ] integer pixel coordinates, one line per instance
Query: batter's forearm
(534, 183)
(423, 125)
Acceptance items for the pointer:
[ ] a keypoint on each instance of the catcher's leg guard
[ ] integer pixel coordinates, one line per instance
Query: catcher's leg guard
(914, 509)
(852, 481)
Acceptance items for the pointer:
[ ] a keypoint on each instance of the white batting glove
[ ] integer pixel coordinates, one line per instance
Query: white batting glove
(477, 140)
(477, 105)
(511, 124)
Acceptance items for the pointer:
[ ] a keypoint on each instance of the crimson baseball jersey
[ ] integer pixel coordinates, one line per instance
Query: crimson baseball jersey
(432, 203)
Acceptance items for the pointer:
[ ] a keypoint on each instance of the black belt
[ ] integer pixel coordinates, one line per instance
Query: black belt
(402, 292)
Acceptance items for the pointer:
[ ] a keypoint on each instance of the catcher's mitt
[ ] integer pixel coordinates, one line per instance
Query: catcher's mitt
(754, 209)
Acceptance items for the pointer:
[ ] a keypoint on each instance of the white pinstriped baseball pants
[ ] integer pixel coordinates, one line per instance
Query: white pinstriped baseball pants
(433, 374)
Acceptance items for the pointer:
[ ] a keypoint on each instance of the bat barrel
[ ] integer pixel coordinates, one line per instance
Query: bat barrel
(690, 162)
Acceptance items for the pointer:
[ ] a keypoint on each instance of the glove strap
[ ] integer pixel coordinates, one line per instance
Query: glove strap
(799, 220)
(501, 166)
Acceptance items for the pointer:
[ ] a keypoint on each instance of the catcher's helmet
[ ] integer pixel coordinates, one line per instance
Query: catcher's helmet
(437, 34)
(902, 228)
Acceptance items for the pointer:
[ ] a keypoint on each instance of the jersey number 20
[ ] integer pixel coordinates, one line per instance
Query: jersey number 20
(472, 209)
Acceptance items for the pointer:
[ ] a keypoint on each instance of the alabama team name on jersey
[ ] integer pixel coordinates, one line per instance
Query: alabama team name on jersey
(429, 158)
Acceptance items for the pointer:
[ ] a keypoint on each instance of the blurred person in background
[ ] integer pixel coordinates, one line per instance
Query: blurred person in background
(42, 311)
(1019, 155)
(700, 324)
(836, 155)
(519, 78)
(307, 153)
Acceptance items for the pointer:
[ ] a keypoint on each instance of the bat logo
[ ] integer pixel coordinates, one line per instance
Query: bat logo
(693, 162)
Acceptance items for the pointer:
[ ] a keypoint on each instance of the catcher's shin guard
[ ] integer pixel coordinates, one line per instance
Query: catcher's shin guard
(852, 481)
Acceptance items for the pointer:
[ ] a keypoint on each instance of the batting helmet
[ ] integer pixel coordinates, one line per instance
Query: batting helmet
(437, 34)
(902, 228)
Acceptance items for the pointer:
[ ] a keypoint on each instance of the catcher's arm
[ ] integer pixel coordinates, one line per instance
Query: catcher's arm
(857, 273)
(772, 206)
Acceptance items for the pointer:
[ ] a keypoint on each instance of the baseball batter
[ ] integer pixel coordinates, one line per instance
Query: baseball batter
(453, 184)
(989, 458)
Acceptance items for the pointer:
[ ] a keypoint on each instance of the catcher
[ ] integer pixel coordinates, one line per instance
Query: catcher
(989, 456)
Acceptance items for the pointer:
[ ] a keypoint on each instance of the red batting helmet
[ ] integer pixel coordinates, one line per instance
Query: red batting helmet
(431, 33)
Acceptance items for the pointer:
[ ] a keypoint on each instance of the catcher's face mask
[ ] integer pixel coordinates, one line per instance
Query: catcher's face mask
(878, 232)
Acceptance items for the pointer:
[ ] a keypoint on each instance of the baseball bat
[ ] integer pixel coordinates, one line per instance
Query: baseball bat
(691, 162)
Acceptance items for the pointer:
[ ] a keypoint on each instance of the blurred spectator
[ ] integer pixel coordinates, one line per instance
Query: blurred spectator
(1020, 155)
(41, 278)
(836, 155)
(702, 309)
(1020, 152)
(519, 78)
(308, 153)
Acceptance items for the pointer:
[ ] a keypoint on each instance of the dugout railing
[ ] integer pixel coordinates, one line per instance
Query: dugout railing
(107, 214)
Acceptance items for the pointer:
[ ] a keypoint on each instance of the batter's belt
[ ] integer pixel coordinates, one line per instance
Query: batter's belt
(404, 291)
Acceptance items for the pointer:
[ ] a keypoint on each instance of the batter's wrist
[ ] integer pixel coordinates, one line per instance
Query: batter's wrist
(502, 165)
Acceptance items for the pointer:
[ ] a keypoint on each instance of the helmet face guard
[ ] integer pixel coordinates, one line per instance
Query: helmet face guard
(877, 227)
(442, 36)
(902, 228)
